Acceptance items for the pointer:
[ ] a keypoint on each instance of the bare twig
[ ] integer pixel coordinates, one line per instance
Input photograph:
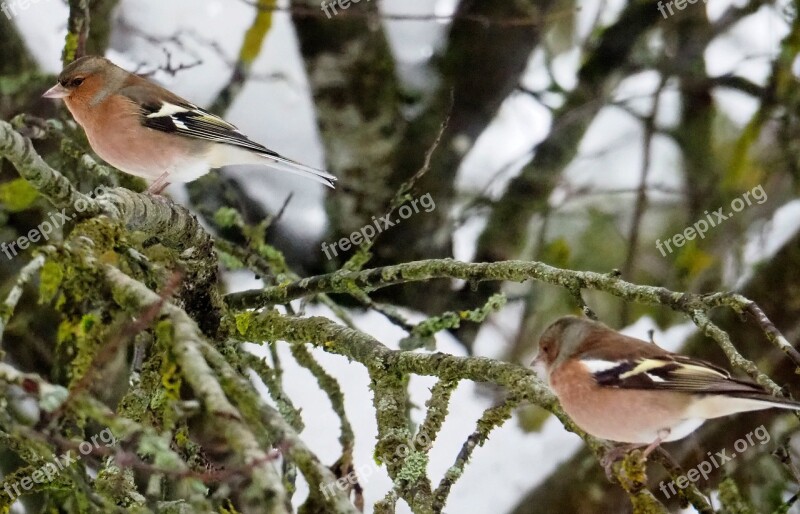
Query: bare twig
(8, 306)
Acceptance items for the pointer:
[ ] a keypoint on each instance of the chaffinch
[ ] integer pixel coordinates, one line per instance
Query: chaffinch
(627, 390)
(147, 131)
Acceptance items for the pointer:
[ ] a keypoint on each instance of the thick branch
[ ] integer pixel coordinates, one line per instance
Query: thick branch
(186, 346)
(519, 271)
(512, 271)
(156, 216)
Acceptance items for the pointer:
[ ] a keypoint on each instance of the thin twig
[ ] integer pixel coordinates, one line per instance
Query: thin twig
(361, 257)
(15, 294)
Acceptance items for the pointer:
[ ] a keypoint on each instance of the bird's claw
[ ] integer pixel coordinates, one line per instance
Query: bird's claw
(614, 454)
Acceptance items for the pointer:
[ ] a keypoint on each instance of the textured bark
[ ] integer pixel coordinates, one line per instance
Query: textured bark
(101, 24)
(352, 77)
(479, 68)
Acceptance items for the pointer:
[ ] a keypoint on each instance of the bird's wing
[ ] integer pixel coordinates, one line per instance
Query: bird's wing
(670, 373)
(172, 114)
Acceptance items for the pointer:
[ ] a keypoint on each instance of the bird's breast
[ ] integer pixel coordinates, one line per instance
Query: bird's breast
(623, 415)
(117, 136)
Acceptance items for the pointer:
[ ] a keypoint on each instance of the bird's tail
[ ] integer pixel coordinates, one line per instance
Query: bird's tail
(771, 401)
(282, 163)
(722, 403)
(228, 155)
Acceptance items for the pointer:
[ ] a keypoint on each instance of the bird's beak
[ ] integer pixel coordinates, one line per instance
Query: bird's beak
(57, 91)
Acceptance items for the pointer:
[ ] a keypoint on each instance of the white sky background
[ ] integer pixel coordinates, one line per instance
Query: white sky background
(279, 113)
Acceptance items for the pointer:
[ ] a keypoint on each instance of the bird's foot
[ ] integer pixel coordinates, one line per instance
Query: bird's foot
(159, 184)
(614, 454)
(156, 189)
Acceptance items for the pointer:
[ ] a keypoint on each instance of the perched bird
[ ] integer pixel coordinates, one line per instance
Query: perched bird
(627, 390)
(147, 131)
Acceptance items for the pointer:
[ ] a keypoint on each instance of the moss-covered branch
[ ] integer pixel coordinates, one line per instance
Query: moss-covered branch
(8, 306)
(77, 31)
(159, 219)
(519, 271)
(266, 486)
(214, 380)
(107, 238)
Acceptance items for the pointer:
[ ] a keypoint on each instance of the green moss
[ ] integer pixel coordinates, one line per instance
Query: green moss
(50, 278)
(414, 467)
(118, 486)
(229, 261)
(359, 259)
(70, 48)
(17, 195)
(79, 341)
(273, 256)
(422, 334)
(228, 217)
(732, 500)
(146, 400)
(168, 391)
(243, 320)
(634, 470)
(255, 35)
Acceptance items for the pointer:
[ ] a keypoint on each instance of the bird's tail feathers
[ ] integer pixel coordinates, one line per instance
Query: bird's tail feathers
(724, 404)
(229, 155)
(772, 401)
(284, 164)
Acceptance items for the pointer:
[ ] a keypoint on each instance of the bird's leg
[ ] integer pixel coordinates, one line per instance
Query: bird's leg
(616, 453)
(159, 184)
(667, 460)
(613, 455)
(662, 434)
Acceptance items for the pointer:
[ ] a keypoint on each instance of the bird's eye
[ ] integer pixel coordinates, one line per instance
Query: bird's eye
(76, 82)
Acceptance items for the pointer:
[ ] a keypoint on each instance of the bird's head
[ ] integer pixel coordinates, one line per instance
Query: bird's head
(560, 341)
(84, 74)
